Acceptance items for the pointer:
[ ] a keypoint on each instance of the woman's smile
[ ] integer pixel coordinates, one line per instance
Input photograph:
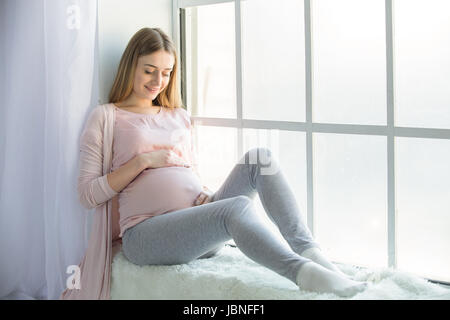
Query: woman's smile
(154, 90)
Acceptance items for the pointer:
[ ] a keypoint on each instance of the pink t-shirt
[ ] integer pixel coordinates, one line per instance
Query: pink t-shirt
(154, 191)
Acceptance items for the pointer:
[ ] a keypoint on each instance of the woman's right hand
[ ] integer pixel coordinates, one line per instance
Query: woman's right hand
(163, 156)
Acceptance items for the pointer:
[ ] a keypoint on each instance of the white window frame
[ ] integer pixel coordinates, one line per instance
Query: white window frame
(390, 131)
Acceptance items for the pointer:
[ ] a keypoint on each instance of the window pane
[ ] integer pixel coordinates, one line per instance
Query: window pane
(273, 60)
(423, 207)
(350, 197)
(422, 63)
(349, 61)
(210, 60)
(288, 148)
(216, 153)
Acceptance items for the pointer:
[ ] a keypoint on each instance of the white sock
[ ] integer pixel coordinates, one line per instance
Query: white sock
(313, 277)
(316, 255)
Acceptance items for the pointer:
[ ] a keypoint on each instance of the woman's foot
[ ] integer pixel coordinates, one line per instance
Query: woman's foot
(316, 255)
(314, 277)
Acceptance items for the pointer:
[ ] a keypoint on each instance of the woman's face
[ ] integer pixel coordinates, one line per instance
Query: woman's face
(152, 74)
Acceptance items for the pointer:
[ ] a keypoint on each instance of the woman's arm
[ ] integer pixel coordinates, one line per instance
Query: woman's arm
(121, 177)
(92, 187)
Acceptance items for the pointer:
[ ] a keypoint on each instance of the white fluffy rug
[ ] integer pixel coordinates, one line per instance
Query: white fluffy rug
(230, 275)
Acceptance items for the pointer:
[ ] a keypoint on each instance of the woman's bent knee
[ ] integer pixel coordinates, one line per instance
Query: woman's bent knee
(265, 160)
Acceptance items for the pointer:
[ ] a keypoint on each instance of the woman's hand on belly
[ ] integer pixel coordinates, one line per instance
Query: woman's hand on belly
(204, 197)
(162, 156)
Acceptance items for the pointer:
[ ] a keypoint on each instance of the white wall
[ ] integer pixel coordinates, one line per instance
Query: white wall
(118, 21)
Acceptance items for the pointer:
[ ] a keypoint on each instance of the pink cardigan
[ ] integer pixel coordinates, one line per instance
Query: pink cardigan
(95, 192)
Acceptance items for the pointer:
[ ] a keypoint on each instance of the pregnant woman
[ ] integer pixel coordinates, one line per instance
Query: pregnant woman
(165, 216)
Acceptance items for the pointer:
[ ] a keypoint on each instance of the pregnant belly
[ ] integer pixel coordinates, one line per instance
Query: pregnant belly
(160, 190)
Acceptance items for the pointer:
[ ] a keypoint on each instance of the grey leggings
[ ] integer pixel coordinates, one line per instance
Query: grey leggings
(198, 232)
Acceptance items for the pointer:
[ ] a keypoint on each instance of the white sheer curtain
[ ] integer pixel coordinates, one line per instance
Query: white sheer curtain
(48, 84)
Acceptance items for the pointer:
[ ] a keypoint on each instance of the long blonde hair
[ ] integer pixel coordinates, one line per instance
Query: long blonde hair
(145, 42)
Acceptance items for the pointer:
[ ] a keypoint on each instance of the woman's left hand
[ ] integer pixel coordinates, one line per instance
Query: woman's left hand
(204, 197)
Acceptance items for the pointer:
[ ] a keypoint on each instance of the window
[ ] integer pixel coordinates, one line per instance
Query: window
(357, 115)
